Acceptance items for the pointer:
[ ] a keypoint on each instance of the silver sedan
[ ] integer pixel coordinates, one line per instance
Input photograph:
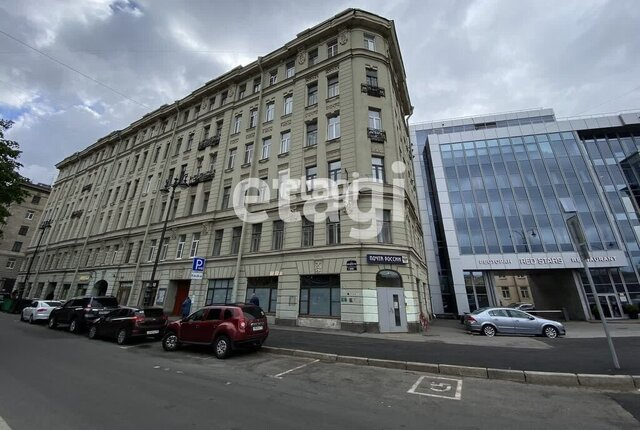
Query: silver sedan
(39, 310)
(490, 321)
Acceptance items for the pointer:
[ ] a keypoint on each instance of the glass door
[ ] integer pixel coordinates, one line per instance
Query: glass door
(611, 307)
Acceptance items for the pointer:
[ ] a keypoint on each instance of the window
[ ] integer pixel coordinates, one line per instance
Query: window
(290, 69)
(524, 292)
(212, 102)
(277, 237)
(333, 228)
(226, 194)
(195, 240)
(253, 118)
(313, 57)
(213, 158)
(263, 190)
(266, 148)
(370, 42)
(127, 256)
(219, 125)
(29, 215)
(219, 292)
(232, 158)
(307, 232)
(35, 200)
(372, 77)
(375, 122)
(152, 250)
(334, 170)
(273, 77)
(384, 235)
(164, 249)
(11, 263)
(333, 87)
(179, 251)
(217, 242)
(205, 201)
(288, 104)
(266, 289)
(17, 246)
(333, 128)
(23, 230)
(185, 118)
(320, 295)
(248, 153)
(256, 85)
(156, 155)
(332, 48)
(199, 161)
(312, 133)
(147, 187)
(178, 147)
(285, 140)
(192, 203)
(205, 132)
(270, 112)
(505, 292)
(377, 169)
(235, 239)
(237, 123)
(223, 98)
(241, 91)
(312, 94)
(311, 174)
(189, 142)
(115, 254)
(256, 234)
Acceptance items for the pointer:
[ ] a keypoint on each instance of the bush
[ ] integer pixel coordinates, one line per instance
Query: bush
(631, 309)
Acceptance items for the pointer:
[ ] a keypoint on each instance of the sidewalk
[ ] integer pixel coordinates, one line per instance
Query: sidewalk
(584, 350)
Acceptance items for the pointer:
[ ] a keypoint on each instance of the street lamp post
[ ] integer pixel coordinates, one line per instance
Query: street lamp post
(170, 186)
(43, 226)
(522, 234)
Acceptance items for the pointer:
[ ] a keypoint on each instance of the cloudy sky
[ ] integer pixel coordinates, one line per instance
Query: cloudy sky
(73, 71)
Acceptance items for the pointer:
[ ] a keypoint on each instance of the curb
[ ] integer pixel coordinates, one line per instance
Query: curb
(606, 382)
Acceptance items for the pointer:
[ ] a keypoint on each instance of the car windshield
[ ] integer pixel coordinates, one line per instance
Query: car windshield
(104, 302)
(153, 312)
(54, 304)
(252, 312)
(478, 311)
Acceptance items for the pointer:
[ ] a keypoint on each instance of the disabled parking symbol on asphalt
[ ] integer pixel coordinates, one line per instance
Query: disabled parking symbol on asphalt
(436, 386)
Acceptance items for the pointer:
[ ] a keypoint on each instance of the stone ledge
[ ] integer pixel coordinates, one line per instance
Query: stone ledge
(317, 355)
(389, 364)
(475, 372)
(551, 378)
(422, 367)
(506, 375)
(362, 361)
(624, 382)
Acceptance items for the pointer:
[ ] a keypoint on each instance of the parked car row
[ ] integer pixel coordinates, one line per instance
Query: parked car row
(224, 327)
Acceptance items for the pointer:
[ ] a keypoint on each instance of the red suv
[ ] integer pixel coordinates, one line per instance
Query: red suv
(225, 327)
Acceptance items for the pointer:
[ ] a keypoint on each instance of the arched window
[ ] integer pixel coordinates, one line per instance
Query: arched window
(388, 279)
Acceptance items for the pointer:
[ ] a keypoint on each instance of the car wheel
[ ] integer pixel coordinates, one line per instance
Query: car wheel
(93, 332)
(550, 331)
(222, 347)
(52, 322)
(170, 342)
(31, 321)
(122, 337)
(74, 326)
(489, 330)
(22, 317)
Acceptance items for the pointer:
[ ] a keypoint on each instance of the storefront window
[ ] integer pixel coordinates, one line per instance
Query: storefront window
(320, 295)
(266, 288)
(219, 292)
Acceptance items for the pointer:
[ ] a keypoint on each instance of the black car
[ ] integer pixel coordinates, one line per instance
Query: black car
(80, 312)
(128, 322)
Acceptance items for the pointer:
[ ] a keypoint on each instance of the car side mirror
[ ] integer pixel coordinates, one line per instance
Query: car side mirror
(185, 319)
(532, 318)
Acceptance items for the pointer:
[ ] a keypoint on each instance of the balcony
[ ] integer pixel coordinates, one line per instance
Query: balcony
(375, 135)
(202, 177)
(76, 214)
(86, 188)
(372, 90)
(212, 141)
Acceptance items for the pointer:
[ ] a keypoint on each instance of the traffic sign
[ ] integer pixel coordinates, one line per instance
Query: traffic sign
(197, 269)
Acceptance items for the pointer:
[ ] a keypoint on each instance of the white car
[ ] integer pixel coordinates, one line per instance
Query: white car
(39, 310)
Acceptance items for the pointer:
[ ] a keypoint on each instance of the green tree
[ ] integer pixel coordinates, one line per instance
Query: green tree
(11, 181)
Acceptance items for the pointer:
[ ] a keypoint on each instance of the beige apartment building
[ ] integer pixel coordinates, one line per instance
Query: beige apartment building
(20, 229)
(331, 103)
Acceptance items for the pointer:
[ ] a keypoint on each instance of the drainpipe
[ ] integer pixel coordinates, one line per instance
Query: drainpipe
(254, 163)
(148, 227)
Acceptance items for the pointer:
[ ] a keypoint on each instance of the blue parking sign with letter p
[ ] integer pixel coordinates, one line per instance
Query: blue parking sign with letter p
(198, 264)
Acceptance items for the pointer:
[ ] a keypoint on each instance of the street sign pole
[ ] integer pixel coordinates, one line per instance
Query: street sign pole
(579, 239)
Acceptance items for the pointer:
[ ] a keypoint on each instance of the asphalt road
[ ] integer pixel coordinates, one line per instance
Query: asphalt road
(564, 355)
(55, 380)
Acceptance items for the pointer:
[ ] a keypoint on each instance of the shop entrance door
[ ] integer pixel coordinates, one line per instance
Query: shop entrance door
(182, 291)
(392, 314)
(611, 307)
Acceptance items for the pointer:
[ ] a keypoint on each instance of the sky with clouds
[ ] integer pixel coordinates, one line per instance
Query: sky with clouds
(102, 64)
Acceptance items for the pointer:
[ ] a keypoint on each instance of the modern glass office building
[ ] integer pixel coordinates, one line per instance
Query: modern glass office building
(490, 197)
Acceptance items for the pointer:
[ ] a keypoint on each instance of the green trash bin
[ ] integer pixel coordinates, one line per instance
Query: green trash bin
(6, 305)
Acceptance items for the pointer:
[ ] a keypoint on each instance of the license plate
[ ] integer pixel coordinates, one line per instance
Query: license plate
(153, 331)
(258, 327)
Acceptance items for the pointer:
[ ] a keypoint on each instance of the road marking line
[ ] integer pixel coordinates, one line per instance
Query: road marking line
(4, 425)
(279, 375)
(457, 396)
